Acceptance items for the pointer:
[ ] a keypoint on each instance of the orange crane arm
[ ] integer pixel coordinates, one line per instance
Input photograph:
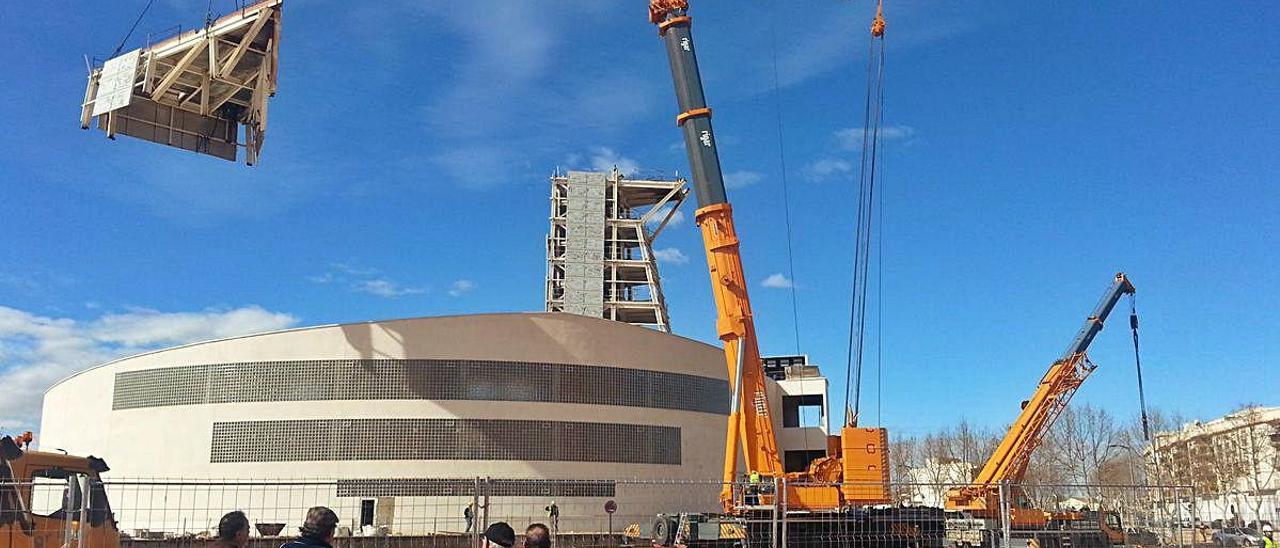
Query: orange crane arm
(749, 421)
(1059, 384)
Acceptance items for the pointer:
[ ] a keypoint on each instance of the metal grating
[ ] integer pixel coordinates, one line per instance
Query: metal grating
(443, 439)
(439, 487)
(421, 379)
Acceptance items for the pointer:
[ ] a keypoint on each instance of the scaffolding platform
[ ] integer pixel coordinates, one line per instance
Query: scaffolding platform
(196, 90)
(600, 259)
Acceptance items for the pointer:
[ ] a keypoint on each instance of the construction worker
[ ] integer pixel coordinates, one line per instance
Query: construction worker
(753, 488)
(1268, 537)
(553, 514)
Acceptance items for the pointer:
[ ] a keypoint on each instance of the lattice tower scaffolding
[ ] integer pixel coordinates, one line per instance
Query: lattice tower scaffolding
(600, 259)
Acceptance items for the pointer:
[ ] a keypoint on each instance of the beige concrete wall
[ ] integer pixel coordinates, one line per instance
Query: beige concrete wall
(174, 441)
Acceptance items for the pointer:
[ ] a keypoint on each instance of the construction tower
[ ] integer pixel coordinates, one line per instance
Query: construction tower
(600, 259)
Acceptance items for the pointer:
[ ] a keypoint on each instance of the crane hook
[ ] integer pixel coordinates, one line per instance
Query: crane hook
(877, 25)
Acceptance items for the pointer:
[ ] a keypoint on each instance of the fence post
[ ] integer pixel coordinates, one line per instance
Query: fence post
(783, 497)
(1005, 515)
(778, 494)
(67, 532)
(84, 510)
(475, 513)
(1178, 500)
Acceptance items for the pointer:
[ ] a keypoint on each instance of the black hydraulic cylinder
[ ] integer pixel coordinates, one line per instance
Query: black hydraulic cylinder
(699, 138)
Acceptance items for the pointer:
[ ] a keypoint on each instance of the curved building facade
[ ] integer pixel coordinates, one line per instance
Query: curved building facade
(397, 412)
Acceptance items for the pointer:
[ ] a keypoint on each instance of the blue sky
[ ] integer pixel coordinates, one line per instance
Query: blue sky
(1034, 150)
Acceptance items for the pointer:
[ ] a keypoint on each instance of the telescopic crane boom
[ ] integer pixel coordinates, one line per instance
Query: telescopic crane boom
(1009, 462)
(749, 409)
(856, 457)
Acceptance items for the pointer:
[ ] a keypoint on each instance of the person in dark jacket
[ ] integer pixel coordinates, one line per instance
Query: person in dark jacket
(317, 530)
(233, 531)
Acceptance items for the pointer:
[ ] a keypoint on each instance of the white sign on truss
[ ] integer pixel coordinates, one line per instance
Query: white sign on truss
(115, 86)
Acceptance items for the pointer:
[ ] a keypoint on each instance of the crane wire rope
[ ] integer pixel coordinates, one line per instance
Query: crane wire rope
(880, 304)
(129, 34)
(872, 114)
(786, 194)
(786, 211)
(1137, 362)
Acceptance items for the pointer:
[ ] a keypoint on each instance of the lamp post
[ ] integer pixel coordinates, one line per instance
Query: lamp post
(1133, 484)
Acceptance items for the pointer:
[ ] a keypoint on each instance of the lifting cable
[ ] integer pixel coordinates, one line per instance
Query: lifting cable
(1137, 361)
(132, 28)
(865, 218)
(786, 195)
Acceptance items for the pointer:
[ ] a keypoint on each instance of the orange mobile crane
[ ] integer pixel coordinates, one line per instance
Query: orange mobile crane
(975, 509)
(855, 472)
(52, 499)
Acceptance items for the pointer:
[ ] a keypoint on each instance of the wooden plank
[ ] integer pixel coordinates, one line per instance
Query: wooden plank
(213, 56)
(236, 54)
(177, 71)
(235, 88)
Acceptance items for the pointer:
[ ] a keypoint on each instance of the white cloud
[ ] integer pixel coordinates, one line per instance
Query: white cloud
(827, 169)
(605, 159)
(671, 255)
(348, 268)
(740, 179)
(851, 138)
(147, 328)
(383, 287)
(677, 218)
(40, 350)
(776, 281)
(364, 279)
(461, 287)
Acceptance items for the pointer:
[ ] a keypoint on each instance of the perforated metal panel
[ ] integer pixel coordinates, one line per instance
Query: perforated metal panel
(419, 487)
(443, 439)
(426, 379)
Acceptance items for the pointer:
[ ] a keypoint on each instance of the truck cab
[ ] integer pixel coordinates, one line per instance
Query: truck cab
(43, 502)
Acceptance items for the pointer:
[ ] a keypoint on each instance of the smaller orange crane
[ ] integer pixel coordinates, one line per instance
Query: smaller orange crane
(981, 499)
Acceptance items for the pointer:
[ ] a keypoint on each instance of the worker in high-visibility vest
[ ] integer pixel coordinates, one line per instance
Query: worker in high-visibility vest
(753, 488)
(1268, 537)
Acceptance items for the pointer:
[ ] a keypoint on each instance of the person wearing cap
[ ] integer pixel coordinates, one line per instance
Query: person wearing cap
(1268, 537)
(500, 534)
(317, 529)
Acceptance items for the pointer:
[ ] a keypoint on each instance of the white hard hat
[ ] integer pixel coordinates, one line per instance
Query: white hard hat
(1266, 528)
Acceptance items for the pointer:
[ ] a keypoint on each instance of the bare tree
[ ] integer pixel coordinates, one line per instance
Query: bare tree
(1083, 438)
(1255, 456)
(904, 460)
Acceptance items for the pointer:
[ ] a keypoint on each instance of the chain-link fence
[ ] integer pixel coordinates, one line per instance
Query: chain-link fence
(421, 512)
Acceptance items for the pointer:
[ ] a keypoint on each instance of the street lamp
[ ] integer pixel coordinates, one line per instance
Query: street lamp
(1133, 475)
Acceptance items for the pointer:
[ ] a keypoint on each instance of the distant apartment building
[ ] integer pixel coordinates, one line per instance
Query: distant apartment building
(927, 484)
(1233, 462)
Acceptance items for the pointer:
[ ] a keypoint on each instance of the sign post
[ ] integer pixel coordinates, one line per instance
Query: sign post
(609, 508)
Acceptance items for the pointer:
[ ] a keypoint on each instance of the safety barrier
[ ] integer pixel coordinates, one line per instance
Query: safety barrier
(446, 512)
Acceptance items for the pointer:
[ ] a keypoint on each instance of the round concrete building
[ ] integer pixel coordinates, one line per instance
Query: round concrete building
(400, 417)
